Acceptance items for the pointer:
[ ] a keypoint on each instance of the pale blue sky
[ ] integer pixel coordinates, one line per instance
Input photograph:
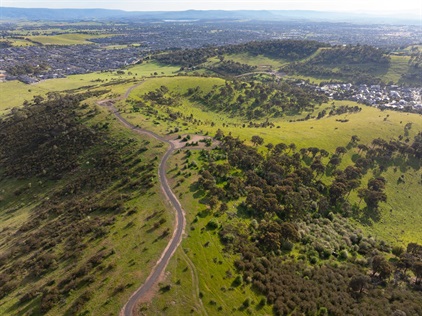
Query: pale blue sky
(373, 6)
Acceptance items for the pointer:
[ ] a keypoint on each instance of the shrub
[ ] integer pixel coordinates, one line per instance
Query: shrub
(313, 259)
(343, 255)
(247, 302)
(398, 250)
(213, 224)
(263, 302)
(287, 245)
(238, 281)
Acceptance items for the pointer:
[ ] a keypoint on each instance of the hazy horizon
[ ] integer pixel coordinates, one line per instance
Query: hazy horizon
(413, 7)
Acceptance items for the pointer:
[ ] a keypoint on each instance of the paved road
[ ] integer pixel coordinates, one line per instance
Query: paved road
(128, 309)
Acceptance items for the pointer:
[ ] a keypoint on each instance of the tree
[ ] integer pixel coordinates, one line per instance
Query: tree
(223, 207)
(213, 202)
(376, 184)
(372, 198)
(279, 148)
(257, 140)
(362, 147)
(38, 99)
(417, 270)
(292, 147)
(289, 232)
(324, 153)
(406, 262)
(354, 139)
(358, 282)
(381, 266)
(334, 160)
(341, 150)
(337, 191)
(269, 146)
(318, 167)
(219, 134)
(313, 151)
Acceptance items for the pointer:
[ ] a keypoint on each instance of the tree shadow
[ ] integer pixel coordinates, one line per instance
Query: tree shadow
(243, 212)
(29, 308)
(329, 170)
(350, 145)
(355, 157)
(307, 160)
(368, 216)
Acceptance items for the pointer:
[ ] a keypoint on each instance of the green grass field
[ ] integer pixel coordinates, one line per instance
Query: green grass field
(260, 61)
(398, 66)
(307, 133)
(65, 39)
(19, 42)
(14, 93)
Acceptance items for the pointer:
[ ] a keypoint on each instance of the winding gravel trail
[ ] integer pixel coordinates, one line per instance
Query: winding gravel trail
(158, 270)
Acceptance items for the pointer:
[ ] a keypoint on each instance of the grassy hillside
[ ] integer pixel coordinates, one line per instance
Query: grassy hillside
(242, 275)
(81, 210)
(201, 275)
(213, 275)
(14, 93)
(357, 64)
(262, 62)
(328, 133)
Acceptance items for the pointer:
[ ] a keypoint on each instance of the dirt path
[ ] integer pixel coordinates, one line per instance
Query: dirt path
(195, 283)
(146, 289)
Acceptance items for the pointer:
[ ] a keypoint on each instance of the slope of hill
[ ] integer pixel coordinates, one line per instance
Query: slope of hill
(231, 204)
(80, 209)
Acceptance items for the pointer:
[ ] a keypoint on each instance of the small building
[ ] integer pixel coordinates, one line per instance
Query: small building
(2, 76)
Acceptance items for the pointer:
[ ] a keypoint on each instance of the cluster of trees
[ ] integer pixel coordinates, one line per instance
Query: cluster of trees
(186, 57)
(46, 139)
(351, 63)
(257, 99)
(281, 49)
(350, 55)
(294, 287)
(162, 96)
(414, 75)
(231, 68)
(339, 110)
(342, 72)
(289, 206)
(98, 172)
(384, 153)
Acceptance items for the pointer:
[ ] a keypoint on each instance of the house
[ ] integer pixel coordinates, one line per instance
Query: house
(2, 76)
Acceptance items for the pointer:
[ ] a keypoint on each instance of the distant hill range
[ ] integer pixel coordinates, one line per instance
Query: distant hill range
(39, 14)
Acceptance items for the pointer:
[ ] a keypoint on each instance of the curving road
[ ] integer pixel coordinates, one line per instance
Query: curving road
(128, 309)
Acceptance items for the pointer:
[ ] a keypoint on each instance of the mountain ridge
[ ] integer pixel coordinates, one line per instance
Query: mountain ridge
(44, 14)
